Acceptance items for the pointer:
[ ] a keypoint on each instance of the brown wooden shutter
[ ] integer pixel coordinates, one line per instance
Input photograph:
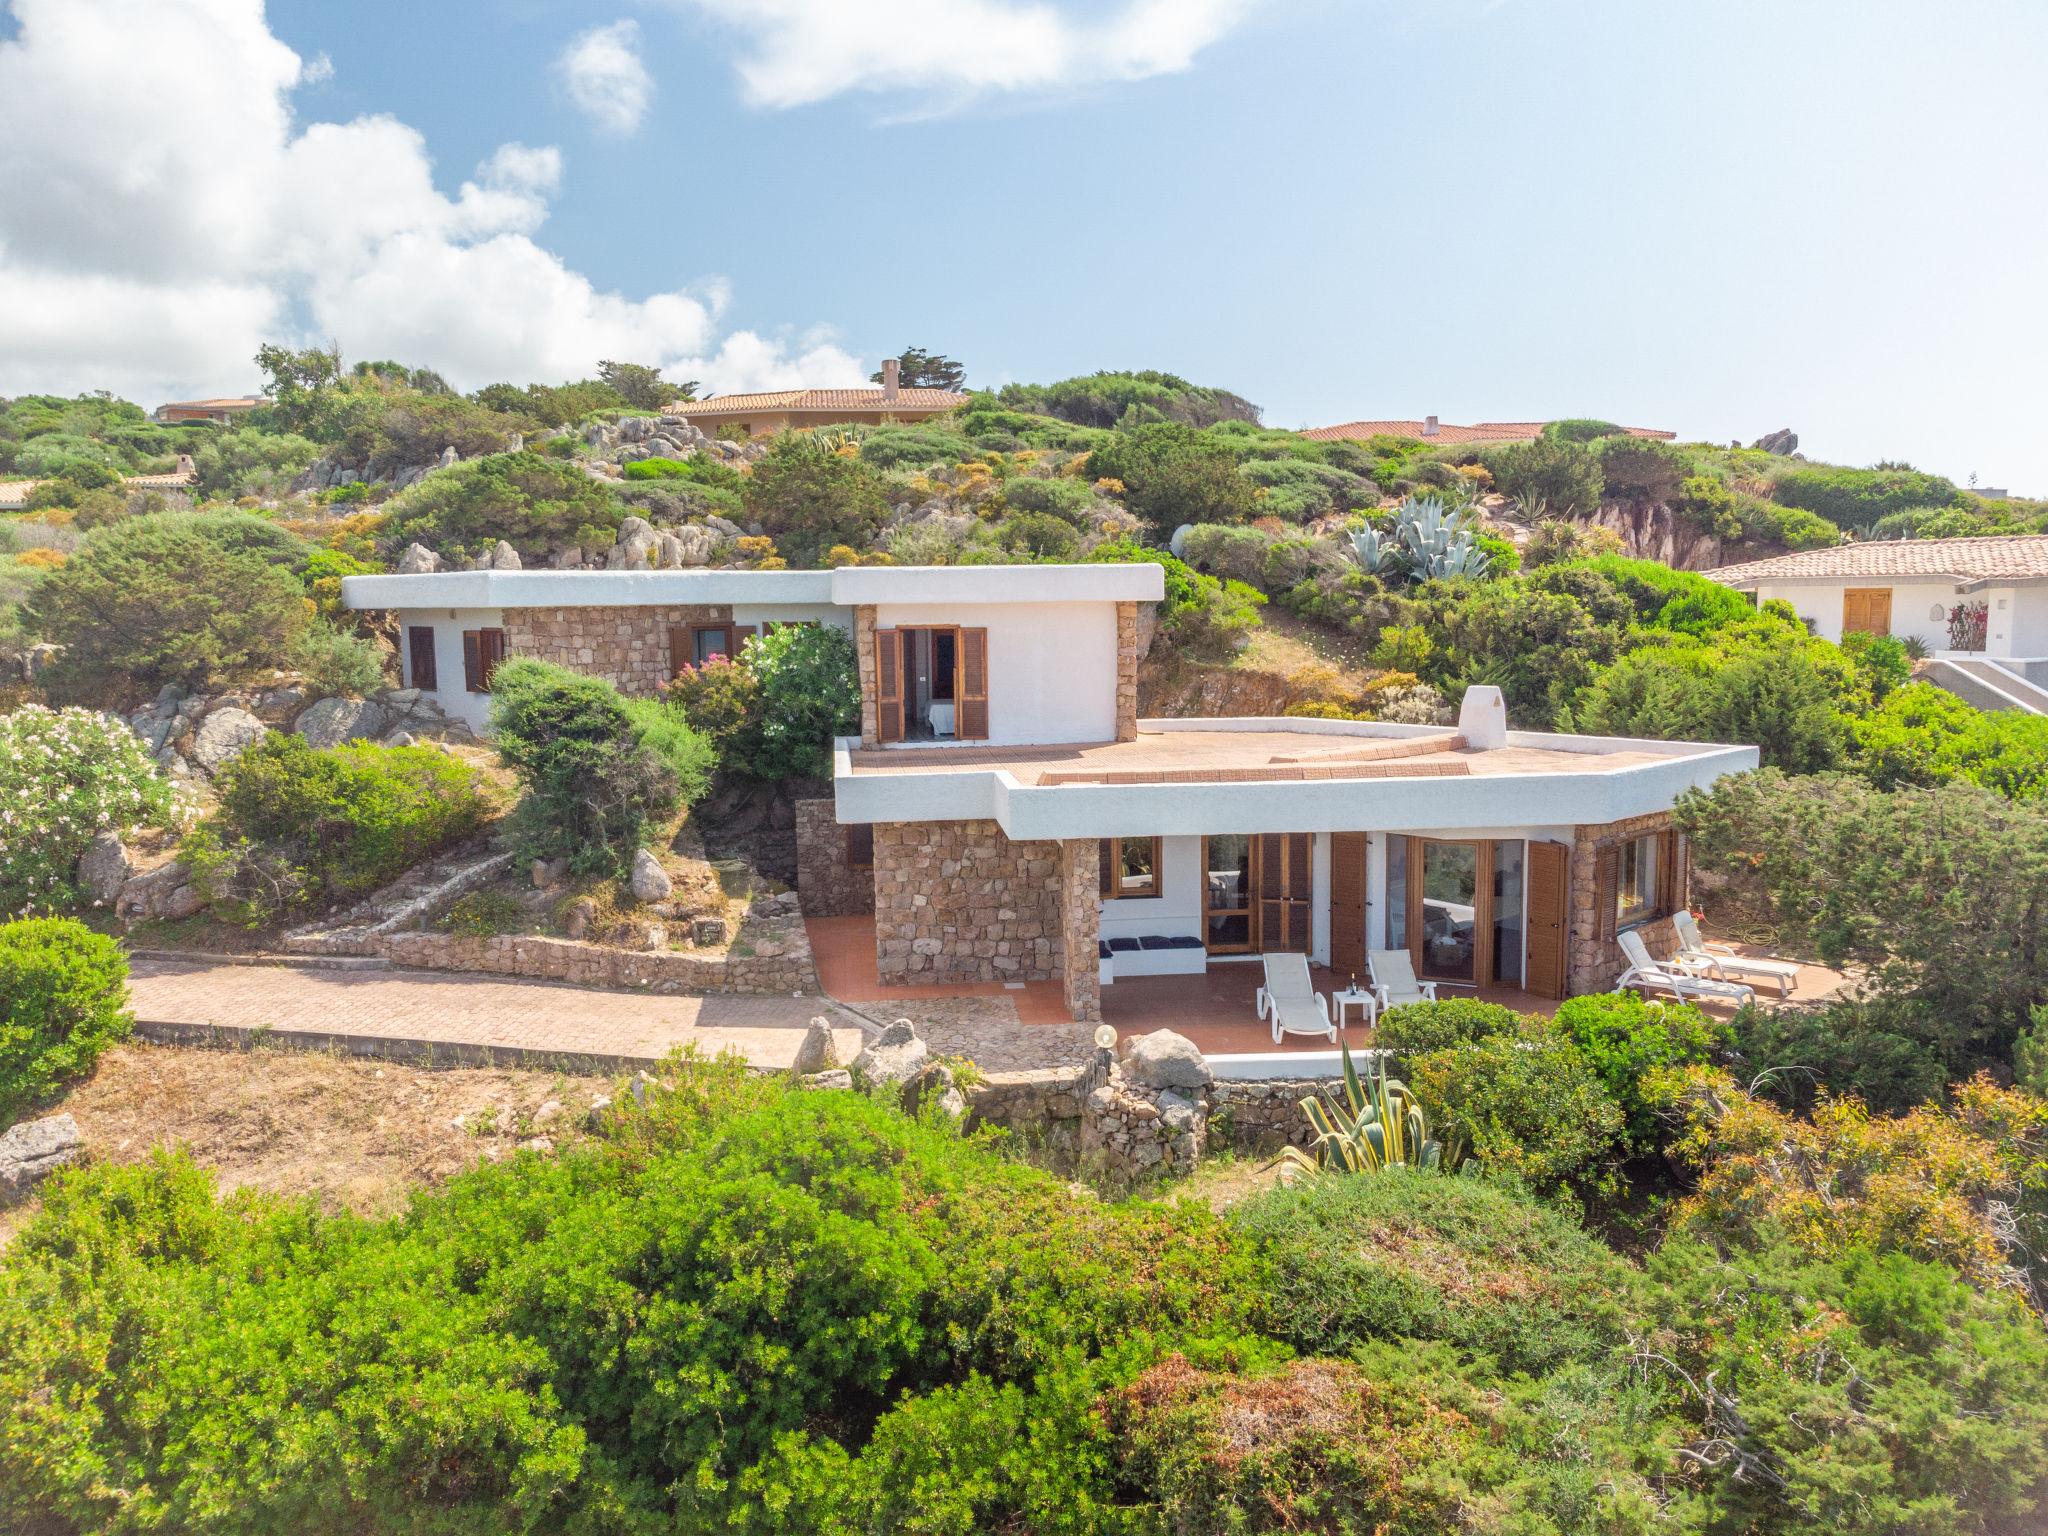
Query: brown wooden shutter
(1347, 902)
(473, 660)
(419, 644)
(736, 638)
(682, 655)
(1549, 896)
(970, 719)
(1283, 873)
(1668, 888)
(1609, 891)
(889, 684)
(1107, 866)
(490, 652)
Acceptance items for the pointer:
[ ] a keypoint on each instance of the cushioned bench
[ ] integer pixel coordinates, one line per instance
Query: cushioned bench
(1153, 954)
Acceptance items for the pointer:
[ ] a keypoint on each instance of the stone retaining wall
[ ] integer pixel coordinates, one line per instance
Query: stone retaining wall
(828, 885)
(627, 646)
(594, 965)
(958, 901)
(1257, 1119)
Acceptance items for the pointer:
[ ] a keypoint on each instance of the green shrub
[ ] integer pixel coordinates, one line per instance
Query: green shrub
(722, 699)
(1562, 477)
(1532, 1109)
(1068, 499)
(810, 694)
(1624, 1037)
(300, 826)
(699, 468)
(1392, 1257)
(63, 1000)
(1581, 429)
(1856, 498)
(1414, 1028)
(1924, 735)
(1643, 470)
(1202, 619)
(1113, 398)
(591, 787)
(808, 498)
(1877, 1048)
(1040, 536)
(176, 598)
(661, 727)
(530, 501)
(917, 446)
(66, 775)
(334, 662)
(1171, 475)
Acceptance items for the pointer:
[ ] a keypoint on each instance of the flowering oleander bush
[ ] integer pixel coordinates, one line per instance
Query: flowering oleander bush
(65, 776)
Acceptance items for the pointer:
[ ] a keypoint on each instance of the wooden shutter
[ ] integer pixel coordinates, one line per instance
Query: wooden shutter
(1549, 895)
(1107, 865)
(473, 660)
(970, 715)
(1282, 878)
(1668, 891)
(682, 655)
(1347, 903)
(736, 638)
(419, 645)
(1609, 888)
(889, 684)
(490, 652)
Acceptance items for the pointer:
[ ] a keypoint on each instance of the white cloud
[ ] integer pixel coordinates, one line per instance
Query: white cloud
(162, 215)
(602, 72)
(948, 51)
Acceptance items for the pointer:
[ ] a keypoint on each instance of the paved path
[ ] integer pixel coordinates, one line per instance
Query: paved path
(450, 1015)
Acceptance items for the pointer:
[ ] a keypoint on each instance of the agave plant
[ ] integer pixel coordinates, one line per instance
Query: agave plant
(1374, 555)
(1378, 1126)
(1438, 542)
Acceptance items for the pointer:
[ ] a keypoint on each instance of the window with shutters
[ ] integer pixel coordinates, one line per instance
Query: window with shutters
(482, 651)
(1130, 868)
(1645, 870)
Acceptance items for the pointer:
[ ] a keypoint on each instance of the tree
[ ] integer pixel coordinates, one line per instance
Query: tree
(184, 599)
(919, 369)
(643, 387)
(810, 498)
(298, 380)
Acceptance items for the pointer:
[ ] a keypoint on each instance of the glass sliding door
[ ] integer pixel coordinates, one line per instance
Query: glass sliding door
(1449, 916)
(1227, 894)
(1508, 886)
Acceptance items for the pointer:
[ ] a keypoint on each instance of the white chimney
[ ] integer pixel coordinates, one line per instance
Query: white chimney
(891, 368)
(1429, 426)
(1483, 719)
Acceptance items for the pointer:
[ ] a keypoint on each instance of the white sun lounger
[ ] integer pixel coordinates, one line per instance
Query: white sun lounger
(1290, 1000)
(1647, 973)
(1393, 980)
(1695, 954)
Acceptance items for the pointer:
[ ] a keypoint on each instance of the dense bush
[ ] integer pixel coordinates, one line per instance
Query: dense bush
(1856, 498)
(1559, 477)
(722, 699)
(661, 727)
(300, 826)
(1200, 618)
(1171, 475)
(532, 502)
(1643, 470)
(1533, 1109)
(184, 599)
(65, 776)
(807, 497)
(1110, 399)
(810, 693)
(1924, 735)
(915, 446)
(334, 662)
(1537, 647)
(1874, 1047)
(63, 1000)
(246, 462)
(591, 787)
(1625, 1037)
(698, 468)
(1414, 1028)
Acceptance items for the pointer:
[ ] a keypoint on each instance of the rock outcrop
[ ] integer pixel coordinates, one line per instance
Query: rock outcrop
(893, 1057)
(33, 1150)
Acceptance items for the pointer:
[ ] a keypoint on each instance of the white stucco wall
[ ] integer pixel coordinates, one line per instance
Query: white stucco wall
(1913, 605)
(455, 700)
(1178, 907)
(1051, 666)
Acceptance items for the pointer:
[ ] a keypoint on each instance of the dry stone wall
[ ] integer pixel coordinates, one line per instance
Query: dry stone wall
(829, 886)
(593, 965)
(626, 646)
(959, 901)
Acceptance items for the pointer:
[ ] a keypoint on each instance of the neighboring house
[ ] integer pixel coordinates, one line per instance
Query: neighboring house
(760, 415)
(1979, 606)
(1005, 816)
(1430, 430)
(224, 410)
(14, 494)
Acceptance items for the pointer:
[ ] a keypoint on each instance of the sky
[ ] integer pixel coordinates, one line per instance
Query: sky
(1714, 216)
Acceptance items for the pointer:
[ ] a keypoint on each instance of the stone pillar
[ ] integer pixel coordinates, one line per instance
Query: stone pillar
(864, 652)
(1081, 927)
(1126, 671)
(827, 884)
(1592, 961)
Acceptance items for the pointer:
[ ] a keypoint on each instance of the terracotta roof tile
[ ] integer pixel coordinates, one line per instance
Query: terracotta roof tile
(2001, 557)
(1446, 432)
(869, 399)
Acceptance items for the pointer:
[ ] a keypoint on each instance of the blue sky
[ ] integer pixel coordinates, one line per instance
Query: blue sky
(1722, 218)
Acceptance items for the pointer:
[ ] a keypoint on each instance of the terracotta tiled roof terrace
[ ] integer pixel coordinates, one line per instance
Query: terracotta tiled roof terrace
(1996, 557)
(869, 399)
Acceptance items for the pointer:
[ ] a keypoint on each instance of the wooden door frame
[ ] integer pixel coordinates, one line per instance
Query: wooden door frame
(1251, 898)
(1482, 906)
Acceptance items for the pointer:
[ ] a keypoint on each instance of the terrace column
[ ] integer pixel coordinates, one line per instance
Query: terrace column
(1126, 671)
(1081, 927)
(864, 655)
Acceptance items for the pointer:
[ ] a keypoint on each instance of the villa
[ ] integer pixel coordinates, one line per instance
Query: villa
(764, 413)
(1005, 817)
(1979, 606)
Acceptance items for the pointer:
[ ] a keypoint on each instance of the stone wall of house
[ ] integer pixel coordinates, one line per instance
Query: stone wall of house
(864, 659)
(828, 885)
(959, 901)
(1127, 652)
(1594, 962)
(788, 970)
(1080, 901)
(627, 646)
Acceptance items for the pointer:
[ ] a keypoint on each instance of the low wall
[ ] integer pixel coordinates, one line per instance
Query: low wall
(594, 965)
(828, 886)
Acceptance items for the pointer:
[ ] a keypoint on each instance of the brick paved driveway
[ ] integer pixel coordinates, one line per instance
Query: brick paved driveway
(412, 1012)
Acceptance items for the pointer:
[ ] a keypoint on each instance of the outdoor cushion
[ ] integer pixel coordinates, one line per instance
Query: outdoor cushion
(1123, 946)
(1184, 941)
(1102, 949)
(1155, 941)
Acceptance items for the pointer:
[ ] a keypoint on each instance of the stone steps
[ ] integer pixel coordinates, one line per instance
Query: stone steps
(408, 902)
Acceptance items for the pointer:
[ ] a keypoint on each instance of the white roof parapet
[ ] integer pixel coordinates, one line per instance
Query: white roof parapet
(1140, 583)
(846, 587)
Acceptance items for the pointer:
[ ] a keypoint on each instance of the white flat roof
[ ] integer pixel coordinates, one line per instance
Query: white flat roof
(1183, 777)
(846, 587)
